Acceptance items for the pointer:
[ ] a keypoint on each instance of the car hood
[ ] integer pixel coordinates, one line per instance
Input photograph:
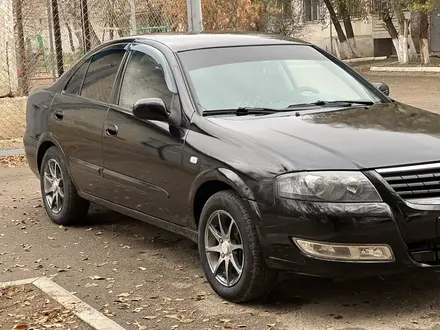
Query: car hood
(358, 138)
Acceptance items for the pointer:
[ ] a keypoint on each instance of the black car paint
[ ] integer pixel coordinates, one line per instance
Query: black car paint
(244, 153)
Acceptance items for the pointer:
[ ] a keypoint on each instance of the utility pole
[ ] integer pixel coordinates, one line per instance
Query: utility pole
(195, 20)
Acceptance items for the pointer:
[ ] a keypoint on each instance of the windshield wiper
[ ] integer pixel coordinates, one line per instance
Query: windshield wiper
(241, 111)
(346, 103)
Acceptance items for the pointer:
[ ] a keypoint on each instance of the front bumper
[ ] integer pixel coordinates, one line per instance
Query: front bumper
(411, 231)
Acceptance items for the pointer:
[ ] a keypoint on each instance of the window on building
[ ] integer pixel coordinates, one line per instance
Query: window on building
(311, 10)
(355, 8)
(101, 75)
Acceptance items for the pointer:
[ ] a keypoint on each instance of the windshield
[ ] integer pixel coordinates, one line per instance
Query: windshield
(273, 77)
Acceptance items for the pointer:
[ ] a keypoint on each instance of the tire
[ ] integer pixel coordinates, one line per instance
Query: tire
(72, 208)
(256, 279)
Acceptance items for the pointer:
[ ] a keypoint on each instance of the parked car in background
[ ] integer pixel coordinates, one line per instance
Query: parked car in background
(268, 152)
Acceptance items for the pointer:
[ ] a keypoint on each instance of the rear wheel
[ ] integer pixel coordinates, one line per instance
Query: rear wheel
(60, 198)
(230, 251)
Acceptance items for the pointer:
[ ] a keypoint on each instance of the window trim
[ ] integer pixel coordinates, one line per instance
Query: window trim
(63, 91)
(119, 45)
(158, 56)
(113, 85)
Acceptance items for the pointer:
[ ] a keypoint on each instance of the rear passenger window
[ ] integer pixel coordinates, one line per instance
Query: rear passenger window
(101, 75)
(74, 84)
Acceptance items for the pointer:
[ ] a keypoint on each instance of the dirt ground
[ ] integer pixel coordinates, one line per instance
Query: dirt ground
(25, 307)
(418, 90)
(146, 278)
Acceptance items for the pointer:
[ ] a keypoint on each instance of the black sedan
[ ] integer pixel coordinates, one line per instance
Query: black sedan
(268, 152)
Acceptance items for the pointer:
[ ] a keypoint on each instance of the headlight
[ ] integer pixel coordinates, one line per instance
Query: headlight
(327, 186)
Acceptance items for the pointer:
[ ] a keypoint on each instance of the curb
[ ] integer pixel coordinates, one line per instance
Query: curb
(365, 59)
(82, 310)
(405, 69)
(11, 152)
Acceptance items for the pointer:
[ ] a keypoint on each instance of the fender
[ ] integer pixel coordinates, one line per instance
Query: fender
(224, 175)
(49, 137)
(235, 182)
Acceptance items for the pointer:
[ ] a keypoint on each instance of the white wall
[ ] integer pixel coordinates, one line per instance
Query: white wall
(8, 65)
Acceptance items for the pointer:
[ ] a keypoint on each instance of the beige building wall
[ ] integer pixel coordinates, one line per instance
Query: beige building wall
(320, 31)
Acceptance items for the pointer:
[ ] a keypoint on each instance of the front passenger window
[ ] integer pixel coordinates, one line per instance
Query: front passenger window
(144, 78)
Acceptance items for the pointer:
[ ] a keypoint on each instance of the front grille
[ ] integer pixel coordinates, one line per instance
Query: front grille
(414, 182)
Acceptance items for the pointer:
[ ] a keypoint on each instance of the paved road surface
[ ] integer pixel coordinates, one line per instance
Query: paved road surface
(130, 270)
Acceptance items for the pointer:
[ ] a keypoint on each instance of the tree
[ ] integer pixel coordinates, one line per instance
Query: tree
(401, 37)
(345, 46)
(423, 7)
(23, 83)
(400, 9)
(344, 13)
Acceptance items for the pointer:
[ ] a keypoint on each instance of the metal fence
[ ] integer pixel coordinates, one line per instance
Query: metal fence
(40, 39)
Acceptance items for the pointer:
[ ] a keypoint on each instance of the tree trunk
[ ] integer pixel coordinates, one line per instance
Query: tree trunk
(23, 82)
(346, 49)
(403, 35)
(343, 10)
(386, 18)
(85, 25)
(404, 42)
(424, 45)
(72, 44)
(57, 37)
(412, 52)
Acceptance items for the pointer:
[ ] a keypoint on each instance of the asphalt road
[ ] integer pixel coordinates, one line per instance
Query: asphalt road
(142, 276)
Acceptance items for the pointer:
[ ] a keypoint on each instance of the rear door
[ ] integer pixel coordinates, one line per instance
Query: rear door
(78, 113)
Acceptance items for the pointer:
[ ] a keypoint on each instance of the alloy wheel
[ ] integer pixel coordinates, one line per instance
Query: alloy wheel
(224, 248)
(53, 186)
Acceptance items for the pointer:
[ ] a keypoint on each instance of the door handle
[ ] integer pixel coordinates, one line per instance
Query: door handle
(59, 114)
(111, 130)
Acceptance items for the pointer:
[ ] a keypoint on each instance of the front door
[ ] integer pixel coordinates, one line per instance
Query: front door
(78, 115)
(142, 158)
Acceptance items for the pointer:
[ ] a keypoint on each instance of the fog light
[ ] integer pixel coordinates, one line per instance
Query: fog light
(345, 251)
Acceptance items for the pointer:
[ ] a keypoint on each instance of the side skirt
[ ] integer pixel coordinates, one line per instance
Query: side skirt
(183, 231)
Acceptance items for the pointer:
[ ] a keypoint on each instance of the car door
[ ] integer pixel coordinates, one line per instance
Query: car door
(78, 115)
(142, 158)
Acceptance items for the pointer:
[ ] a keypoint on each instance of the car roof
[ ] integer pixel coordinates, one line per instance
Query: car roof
(184, 42)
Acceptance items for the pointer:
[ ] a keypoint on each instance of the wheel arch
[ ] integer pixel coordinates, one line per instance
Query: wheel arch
(210, 182)
(46, 141)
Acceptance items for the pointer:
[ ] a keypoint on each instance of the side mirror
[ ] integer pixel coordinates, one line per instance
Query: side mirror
(151, 109)
(384, 88)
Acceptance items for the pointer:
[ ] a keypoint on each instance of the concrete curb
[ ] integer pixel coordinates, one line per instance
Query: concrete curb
(82, 310)
(11, 152)
(405, 69)
(365, 59)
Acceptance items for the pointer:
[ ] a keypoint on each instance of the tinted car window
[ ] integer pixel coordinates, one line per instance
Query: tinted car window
(74, 84)
(144, 78)
(268, 77)
(101, 75)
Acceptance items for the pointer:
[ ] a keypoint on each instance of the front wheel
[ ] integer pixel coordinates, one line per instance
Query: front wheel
(230, 251)
(62, 203)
